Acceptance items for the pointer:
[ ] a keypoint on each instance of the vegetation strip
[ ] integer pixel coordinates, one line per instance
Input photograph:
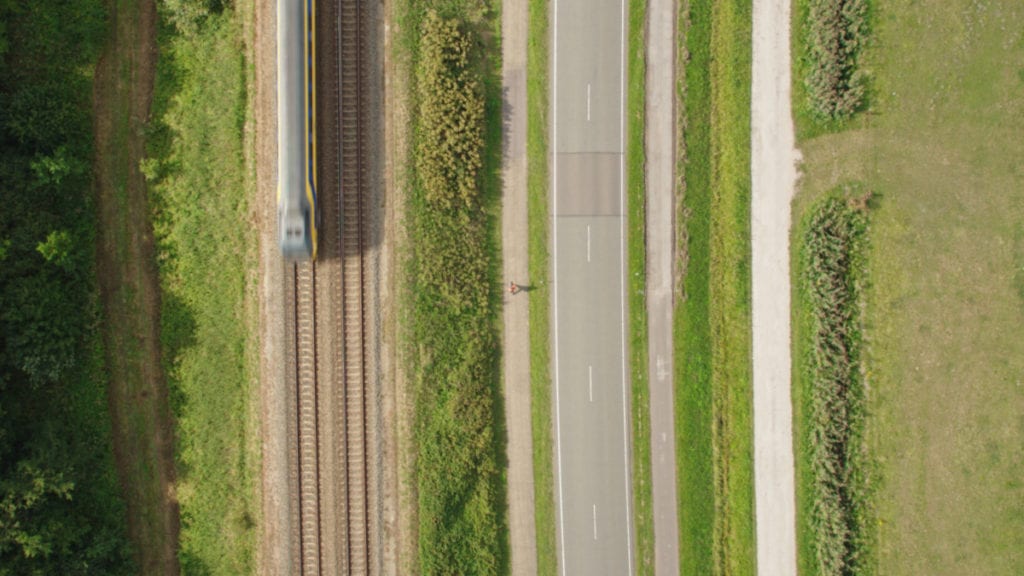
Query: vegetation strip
(832, 394)
(537, 126)
(200, 193)
(451, 295)
(636, 266)
(832, 34)
(712, 326)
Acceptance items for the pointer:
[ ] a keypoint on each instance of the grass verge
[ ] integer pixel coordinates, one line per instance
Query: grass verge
(450, 295)
(200, 195)
(712, 326)
(539, 218)
(643, 514)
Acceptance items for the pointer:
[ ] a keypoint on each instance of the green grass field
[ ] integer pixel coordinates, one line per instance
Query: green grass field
(200, 194)
(940, 147)
(712, 326)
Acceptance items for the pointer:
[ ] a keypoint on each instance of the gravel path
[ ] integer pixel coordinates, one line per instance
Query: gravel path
(773, 176)
(516, 315)
(275, 551)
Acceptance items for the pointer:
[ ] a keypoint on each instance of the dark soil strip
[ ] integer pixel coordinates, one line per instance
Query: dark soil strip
(129, 287)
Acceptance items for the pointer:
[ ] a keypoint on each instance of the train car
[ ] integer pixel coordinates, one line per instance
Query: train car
(297, 208)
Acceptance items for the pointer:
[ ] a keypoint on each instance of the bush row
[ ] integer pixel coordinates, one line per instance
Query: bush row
(830, 271)
(455, 370)
(835, 31)
(450, 139)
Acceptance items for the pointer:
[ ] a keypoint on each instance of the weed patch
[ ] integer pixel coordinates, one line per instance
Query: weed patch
(832, 419)
(833, 34)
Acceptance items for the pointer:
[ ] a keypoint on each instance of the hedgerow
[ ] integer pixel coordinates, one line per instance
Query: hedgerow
(835, 31)
(451, 116)
(454, 369)
(830, 272)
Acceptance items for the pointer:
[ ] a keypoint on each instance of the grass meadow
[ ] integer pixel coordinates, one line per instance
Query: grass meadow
(712, 325)
(943, 362)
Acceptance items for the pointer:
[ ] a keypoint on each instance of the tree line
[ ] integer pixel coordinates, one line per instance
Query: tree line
(60, 510)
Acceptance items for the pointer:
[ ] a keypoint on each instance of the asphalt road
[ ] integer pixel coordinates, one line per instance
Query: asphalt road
(591, 390)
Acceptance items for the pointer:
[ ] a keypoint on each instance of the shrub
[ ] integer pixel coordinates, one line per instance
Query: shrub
(835, 32)
(450, 142)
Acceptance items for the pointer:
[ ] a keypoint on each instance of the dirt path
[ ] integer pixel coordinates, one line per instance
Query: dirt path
(516, 355)
(660, 177)
(130, 290)
(773, 177)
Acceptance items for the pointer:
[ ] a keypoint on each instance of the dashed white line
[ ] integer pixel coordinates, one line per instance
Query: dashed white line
(588, 242)
(595, 521)
(590, 377)
(588, 102)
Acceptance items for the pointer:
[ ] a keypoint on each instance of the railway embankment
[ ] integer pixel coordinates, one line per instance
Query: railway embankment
(200, 200)
(450, 291)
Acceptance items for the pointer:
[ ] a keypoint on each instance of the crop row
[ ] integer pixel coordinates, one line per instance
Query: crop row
(835, 31)
(830, 272)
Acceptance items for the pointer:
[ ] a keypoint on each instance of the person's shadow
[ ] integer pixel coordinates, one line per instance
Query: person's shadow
(514, 288)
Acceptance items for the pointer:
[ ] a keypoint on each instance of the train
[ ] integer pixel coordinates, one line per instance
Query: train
(298, 215)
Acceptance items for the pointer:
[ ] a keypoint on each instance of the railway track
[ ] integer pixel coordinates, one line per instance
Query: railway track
(352, 73)
(307, 418)
(331, 464)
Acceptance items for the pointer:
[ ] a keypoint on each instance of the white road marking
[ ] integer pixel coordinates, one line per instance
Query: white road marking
(662, 370)
(622, 276)
(595, 521)
(590, 371)
(554, 277)
(588, 242)
(588, 102)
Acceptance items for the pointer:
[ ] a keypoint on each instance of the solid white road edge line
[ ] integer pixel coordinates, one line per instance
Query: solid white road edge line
(622, 273)
(554, 241)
